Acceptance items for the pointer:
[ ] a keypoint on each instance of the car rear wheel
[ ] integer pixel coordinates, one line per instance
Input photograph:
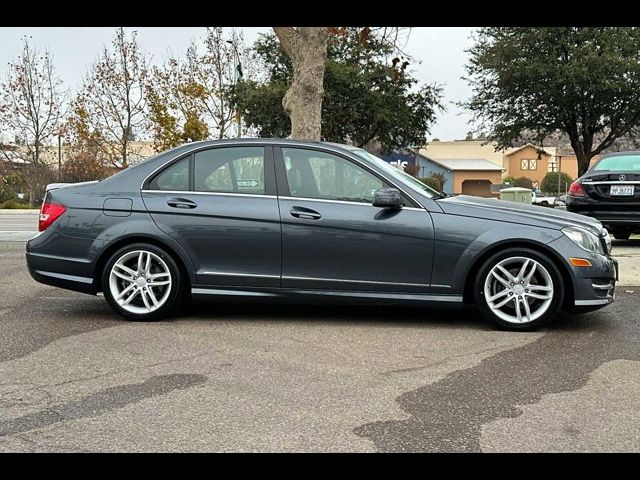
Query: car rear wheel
(518, 289)
(142, 282)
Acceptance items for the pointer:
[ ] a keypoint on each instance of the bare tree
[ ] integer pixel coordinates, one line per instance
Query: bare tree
(307, 49)
(113, 95)
(31, 106)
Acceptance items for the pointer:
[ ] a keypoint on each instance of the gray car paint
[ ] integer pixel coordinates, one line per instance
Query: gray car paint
(250, 246)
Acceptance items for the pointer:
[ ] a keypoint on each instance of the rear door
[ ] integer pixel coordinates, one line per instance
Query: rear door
(333, 238)
(220, 204)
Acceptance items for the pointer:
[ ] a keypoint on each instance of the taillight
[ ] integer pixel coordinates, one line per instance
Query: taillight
(49, 213)
(576, 190)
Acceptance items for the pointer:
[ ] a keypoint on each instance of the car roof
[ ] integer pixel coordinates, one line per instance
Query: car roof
(621, 154)
(280, 141)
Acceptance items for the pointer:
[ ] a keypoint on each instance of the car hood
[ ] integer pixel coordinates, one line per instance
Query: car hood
(506, 211)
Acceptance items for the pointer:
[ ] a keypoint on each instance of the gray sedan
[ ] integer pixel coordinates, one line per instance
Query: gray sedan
(312, 222)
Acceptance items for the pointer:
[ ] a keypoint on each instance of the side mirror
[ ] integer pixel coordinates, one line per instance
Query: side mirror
(387, 198)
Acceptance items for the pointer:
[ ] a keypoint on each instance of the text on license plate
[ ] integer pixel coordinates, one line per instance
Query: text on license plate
(622, 190)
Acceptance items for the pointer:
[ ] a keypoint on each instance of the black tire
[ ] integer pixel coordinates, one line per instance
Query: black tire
(544, 204)
(621, 235)
(490, 316)
(176, 294)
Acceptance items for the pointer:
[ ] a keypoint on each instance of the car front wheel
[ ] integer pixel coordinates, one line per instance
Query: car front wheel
(142, 282)
(518, 289)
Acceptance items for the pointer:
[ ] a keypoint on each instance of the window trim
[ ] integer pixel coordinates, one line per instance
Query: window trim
(269, 170)
(283, 182)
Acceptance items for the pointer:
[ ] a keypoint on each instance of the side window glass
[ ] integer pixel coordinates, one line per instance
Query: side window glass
(232, 169)
(176, 177)
(313, 174)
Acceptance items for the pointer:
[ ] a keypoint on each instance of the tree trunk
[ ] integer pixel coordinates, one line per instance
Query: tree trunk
(583, 157)
(307, 49)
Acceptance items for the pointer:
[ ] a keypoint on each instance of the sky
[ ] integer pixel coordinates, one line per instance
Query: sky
(438, 52)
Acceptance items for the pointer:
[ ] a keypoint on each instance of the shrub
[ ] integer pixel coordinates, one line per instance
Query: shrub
(550, 183)
(12, 205)
(432, 182)
(523, 182)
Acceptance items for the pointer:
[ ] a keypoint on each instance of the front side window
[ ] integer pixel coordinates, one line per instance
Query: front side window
(313, 174)
(231, 169)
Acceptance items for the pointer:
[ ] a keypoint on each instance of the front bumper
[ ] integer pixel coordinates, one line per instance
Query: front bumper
(594, 286)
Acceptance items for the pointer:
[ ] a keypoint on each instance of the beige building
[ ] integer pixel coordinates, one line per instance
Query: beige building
(526, 161)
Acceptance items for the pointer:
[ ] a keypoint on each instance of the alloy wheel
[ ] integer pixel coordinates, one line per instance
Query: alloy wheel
(518, 290)
(140, 282)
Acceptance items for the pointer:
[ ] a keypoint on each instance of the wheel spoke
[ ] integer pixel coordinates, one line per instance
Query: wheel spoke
(529, 276)
(147, 266)
(159, 284)
(501, 293)
(506, 273)
(140, 262)
(502, 303)
(500, 279)
(125, 291)
(124, 268)
(539, 296)
(540, 288)
(131, 297)
(527, 310)
(153, 298)
(523, 270)
(143, 294)
(153, 276)
(518, 312)
(127, 278)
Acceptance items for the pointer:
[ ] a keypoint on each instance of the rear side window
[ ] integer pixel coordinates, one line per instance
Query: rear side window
(176, 177)
(231, 169)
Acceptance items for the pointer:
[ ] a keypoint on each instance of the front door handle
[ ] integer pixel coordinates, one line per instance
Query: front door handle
(302, 212)
(181, 203)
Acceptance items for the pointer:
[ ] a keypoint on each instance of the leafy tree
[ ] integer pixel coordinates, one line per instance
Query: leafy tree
(113, 97)
(583, 81)
(31, 105)
(550, 183)
(189, 98)
(366, 100)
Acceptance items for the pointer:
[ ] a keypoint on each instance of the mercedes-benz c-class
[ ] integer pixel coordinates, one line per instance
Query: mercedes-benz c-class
(312, 222)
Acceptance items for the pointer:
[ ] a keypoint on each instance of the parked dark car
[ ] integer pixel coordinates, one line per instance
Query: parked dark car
(312, 222)
(610, 192)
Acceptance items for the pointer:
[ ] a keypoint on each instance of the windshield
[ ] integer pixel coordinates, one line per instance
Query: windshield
(619, 163)
(404, 177)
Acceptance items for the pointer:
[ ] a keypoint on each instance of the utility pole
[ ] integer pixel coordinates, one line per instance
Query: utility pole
(237, 78)
(59, 157)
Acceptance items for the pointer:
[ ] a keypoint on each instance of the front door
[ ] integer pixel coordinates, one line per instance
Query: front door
(333, 238)
(220, 205)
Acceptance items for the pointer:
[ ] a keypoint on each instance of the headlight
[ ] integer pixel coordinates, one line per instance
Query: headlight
(607, 239)
(584, 239)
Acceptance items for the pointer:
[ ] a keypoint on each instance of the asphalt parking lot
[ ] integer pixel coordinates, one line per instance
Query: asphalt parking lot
(225, 377)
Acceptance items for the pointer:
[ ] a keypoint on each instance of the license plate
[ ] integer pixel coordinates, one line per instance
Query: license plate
(622, 190)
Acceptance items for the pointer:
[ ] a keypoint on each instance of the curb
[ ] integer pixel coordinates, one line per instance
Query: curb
(19, 211)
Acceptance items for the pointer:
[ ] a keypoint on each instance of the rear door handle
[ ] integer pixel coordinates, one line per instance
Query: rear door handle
(307, 213)
(181, 203)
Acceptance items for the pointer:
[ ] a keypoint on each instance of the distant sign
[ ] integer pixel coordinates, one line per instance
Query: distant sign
(248, 183)
(399, 164)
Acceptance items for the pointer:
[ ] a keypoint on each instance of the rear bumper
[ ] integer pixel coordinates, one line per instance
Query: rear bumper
(611, 216)
(58, 270)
